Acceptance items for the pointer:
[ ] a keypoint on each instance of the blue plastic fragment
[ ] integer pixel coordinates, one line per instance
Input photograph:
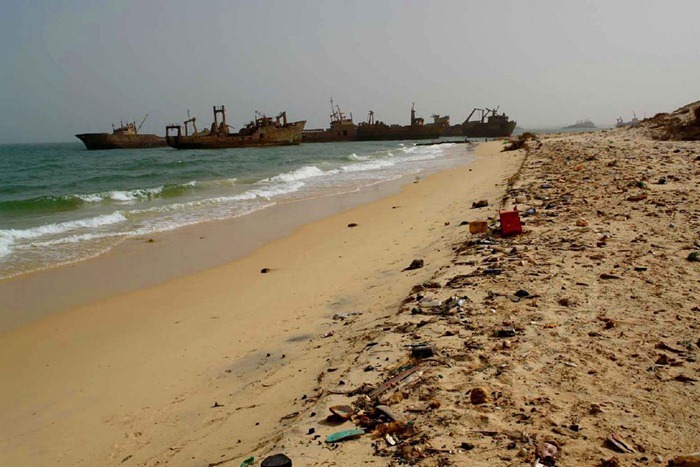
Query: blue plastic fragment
(343, 435)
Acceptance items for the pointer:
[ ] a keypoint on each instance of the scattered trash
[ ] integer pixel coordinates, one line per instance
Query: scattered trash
(248, 461)
(522, 293)
(344, 316)
(492, 272)
(478, 227)
(510, 223)
(694, 257)
(390, 440)
(609, 276)
(546, 453)
(428, 302)
(423, 351)
(344, 435)
(478, 396)
(615, 441)
(415, 264)
(662, 181)
(480, 204)
(388, 412)
(341, 412)
(504, 331)
(352, 224)
(264, 270)
(278, 460)
(328, 334)
(397, 381)
(395, 427)
(529, 212)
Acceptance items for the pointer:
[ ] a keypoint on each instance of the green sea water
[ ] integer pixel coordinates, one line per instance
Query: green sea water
(60, 203)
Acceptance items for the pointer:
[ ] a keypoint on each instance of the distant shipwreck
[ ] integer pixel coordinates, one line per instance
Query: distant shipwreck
(487, 123)
(260, 132)
(125, 137)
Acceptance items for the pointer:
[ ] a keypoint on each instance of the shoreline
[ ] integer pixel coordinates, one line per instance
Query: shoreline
(136, 375)
(194, 248)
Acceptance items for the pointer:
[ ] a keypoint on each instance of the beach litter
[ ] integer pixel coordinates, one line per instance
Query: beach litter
(510, 223)
(344, 435)
(278, 460)
(478, 227)
(415, 264)
(480, 204)
(248, 461)
(615, 442)
(328, 334)
(422, 351)
(478, 396)
(340, 413)
(344, 316)
(546, 453)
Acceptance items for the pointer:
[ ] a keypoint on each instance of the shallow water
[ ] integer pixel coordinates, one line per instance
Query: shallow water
(60, 203)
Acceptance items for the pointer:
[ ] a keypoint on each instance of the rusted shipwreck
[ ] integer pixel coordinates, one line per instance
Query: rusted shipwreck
(372, 130)
(488, 123)
(341, 129)
(262, 131)
(126, 136)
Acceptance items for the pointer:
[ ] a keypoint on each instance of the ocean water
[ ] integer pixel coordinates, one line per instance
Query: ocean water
(60, 203)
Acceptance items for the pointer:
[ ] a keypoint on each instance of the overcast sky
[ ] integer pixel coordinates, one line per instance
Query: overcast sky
(73, 66)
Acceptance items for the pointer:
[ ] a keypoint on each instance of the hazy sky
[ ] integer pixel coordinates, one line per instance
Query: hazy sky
(72, 66)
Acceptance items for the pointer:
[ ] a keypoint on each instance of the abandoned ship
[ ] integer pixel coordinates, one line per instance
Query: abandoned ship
(262, 131)
(125, 137)
(372, 130)
(580, 124)
(341, 129)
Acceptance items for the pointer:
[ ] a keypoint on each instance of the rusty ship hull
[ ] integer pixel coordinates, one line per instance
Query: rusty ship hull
(96, 141)
(381, 132)
(289, 134)
(330, 135)
(488, 130)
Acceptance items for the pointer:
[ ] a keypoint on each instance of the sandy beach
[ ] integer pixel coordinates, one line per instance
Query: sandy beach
(133, 378)
(575, 343)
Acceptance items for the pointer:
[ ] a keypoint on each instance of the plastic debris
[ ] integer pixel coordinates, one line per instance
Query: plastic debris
(616, 442)
(344, 435)
(510, 222)
(482, 203)
(248, 461)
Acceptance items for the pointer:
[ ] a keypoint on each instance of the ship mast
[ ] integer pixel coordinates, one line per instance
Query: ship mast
(141, 124)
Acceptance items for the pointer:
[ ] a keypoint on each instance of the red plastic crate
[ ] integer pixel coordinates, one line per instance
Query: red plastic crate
(510, 222)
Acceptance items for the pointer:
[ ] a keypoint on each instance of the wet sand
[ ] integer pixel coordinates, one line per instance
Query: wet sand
(200, 368)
